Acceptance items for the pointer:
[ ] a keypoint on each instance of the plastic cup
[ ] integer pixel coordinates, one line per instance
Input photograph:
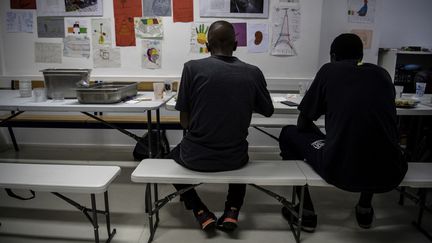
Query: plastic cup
(25, 88)
(399, 90)
(420, 89)
(57, 96)
(158, 89)
(303, 88)
(39, 94)
(168, 87)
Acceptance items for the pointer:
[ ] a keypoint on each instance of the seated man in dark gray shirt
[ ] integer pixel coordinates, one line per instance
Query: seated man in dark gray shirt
(360, 151)
(216, 99)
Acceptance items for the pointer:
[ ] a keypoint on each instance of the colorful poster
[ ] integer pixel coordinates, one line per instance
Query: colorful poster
(77, 27)
(240, 33)
(258, 38)
(101, 31)
(124, 13)
(286, 29)
(183, 11)
(19, 21)
(199, 37)
(151, 54)
(23, 4)
(153, 8)
(361, 11)
(48, 52)
(50, 27)
(148, 27)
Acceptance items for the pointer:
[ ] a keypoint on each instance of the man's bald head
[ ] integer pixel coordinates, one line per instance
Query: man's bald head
(221, 38)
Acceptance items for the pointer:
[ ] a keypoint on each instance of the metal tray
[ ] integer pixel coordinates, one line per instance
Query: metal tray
(64, 81)
(106, 93)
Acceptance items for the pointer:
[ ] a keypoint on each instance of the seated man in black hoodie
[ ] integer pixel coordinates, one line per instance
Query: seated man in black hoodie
(360, 151)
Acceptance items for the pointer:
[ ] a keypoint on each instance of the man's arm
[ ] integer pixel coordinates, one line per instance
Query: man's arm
(306, 124)
(184, 119)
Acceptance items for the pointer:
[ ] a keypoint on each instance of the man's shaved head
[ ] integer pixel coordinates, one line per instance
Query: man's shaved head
(221, 37)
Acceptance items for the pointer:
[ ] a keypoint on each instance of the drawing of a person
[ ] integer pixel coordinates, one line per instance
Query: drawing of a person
(76, 28)
(363, 10)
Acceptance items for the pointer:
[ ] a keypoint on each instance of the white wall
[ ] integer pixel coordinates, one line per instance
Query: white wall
(19, 51)
(335, 22)
(406, 23)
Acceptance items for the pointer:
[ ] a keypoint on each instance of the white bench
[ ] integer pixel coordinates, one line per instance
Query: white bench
(64, 179)
(419, 175)
(256, 173)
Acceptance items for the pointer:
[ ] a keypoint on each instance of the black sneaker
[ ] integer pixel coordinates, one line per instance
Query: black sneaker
(309, 219)
(364, 216)
(228, 220)
(206, 220)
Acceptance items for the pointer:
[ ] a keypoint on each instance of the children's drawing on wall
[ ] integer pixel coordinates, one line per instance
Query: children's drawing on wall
(151, 54)
(257, 38)
(199, 37)
(286, 29)
(240, 33)
(361, 11)
(50, 27)
(19, 21)
(69, 7)
(365, 36)
(48, 52)
(106, 57)
(101, 31)
(77, 27)
(156, 8)
(23, 4)
(77, 47)
(124, 13)
(148, 27)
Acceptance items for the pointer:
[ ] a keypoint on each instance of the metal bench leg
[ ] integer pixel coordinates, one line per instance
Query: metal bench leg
(108, 219)
(422, 208)
(149, 207)
(12, 136)
(95, 222)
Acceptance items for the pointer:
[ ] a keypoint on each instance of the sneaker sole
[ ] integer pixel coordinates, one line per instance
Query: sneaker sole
(209, 225)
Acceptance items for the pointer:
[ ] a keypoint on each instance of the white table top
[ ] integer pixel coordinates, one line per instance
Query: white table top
(419, 175)
(265, 173)
(422, 109)
(10, 100)
(57, 178)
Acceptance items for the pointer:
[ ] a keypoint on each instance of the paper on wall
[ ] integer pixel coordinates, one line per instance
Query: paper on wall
(19, 21)
(101, 32)
(365, 36)
(50, 27)
(151, 54)
(361, 11)
(106, 57)
(74, 46)
(148, 27)
(199, 37)
(286, 29)
(48, 52)
(77, 27)
(156, 8)
(258, 38)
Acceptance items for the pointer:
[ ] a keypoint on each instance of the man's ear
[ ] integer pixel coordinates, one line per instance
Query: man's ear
(208, 46)
(235, 46)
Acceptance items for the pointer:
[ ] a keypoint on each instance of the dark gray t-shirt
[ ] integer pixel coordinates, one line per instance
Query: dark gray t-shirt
(220, 93)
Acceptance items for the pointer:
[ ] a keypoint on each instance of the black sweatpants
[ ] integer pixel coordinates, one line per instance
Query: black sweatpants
(235, 196)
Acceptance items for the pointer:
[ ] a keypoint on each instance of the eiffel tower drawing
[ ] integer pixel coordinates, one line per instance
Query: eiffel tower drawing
(284, 35)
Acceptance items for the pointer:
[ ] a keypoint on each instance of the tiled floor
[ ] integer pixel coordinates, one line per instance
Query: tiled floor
(47, 219)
